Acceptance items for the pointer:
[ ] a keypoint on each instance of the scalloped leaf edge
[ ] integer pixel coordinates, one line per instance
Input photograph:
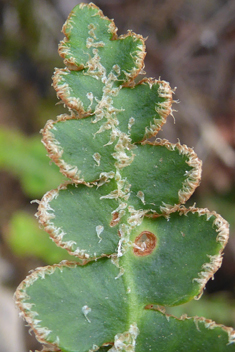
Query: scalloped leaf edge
(26, 309)
(209, 324)
(42, 333)
(193, 176)
(209, 269)
(64, 50)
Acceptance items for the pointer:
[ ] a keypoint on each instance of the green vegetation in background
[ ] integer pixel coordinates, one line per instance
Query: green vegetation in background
(26, 239)
(25, 158)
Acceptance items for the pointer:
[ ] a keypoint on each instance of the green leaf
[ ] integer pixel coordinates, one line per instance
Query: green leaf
(143, 108)
(136, 281)
(78, 219)
(175, 268)
(82, 97)
(75, 307)
(91, 43)
(77, 147)
(162, 175)
(160, 332)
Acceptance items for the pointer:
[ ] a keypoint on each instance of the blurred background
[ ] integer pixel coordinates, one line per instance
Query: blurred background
(190, 44)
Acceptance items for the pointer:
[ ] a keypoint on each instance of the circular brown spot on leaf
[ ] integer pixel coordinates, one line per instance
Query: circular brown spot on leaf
(144, 243)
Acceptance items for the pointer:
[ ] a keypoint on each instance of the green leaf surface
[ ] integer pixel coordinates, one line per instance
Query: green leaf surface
(78, 219)
(82, 97)
(143, 108)
(103, 301)
(178, 247)
(90, 35)
(167, 334)
(76, 146)
(75, 307)
(162, 174)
